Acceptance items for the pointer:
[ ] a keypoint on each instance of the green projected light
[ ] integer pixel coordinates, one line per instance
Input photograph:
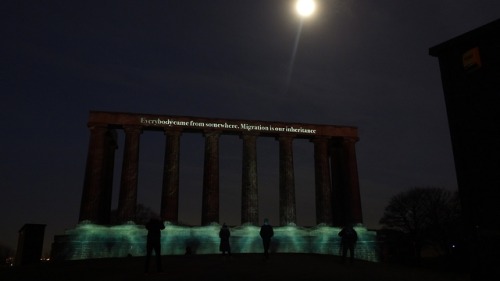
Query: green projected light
(97, 241)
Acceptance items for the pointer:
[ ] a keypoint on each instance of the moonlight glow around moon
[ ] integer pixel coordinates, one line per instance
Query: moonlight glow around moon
(305, 7)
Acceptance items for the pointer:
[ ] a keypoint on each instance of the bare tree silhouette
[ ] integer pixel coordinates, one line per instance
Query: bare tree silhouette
(426, 216)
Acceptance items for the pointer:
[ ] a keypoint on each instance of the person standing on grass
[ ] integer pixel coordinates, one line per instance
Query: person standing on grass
(154, 227)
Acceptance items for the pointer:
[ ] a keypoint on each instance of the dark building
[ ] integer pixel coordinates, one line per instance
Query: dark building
(30, 244)
(470, 73)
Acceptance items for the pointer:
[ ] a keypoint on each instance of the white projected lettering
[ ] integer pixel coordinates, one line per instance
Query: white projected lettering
(226, 125)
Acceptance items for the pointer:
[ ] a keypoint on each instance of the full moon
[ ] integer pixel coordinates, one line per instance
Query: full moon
(305, 7)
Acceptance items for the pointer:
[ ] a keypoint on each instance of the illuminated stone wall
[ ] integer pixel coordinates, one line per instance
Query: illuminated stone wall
(88, 241)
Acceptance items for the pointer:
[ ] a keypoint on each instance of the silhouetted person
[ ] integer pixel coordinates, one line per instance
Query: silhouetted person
(224, 235)
(348, 242)
(266, 232)
(154, 227)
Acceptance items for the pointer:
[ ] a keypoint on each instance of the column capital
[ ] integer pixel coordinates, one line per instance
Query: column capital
(93, 126)
(133, 129)
(252, 134)
(286, 137)
(211, 133)
(173, 131)
(320, 139)
(350, 139)
(339, 141)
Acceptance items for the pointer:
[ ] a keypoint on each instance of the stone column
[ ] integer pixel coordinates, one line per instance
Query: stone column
(345, 183)
(338, 172)
(210, 200)
(127, 200)
(352, 179)
(98, 183)
(170, 188)
(322, 181)
(287, 182)
(249, 191)
(109, 164)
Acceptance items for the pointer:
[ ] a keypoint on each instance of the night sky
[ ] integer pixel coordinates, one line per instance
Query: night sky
(357, 63)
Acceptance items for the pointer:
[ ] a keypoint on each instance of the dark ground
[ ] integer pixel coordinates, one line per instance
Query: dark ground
(238, 267)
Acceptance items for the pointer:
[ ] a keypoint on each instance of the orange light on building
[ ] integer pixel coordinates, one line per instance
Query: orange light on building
(471, 59)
